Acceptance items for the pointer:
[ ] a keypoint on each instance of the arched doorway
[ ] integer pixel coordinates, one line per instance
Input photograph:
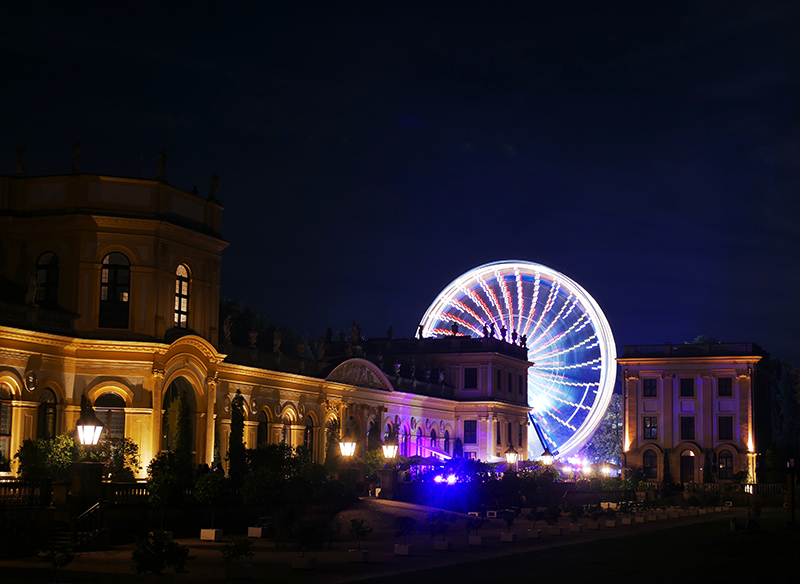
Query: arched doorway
(179, 394)
(262, 432)
(687, 466)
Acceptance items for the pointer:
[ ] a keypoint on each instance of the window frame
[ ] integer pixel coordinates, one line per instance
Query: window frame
(180, 318)
(685, 426)
(729, 390)
(684, 382)
(6, 426)
(648, 391)
(111, 312)
(47, 276)
(727, 437)
(650, 428)
(650, 470)
(468, 373)
(725, 473)
(470, 431)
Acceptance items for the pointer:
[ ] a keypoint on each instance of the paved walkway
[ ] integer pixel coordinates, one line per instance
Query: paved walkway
(332, 566)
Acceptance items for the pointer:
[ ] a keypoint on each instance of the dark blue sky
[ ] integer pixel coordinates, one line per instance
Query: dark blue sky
(368, 158)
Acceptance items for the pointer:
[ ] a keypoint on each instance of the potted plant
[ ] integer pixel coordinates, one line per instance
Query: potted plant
(209, 490)
(596, 512)
(403, 526)
(611, 517)
(551, 516)
(438, 524)
(233, 552)
(360, 529)
(508, 518)
(575, 514)
(533, 516)
(475, 524)
(304, 562)
(156, 552)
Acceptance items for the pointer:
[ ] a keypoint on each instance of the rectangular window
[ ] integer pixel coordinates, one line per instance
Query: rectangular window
(725, 427)
(649, 387)
(520, 385)
(651, 428)
(687, 428)
(5, 436)
(499, 438)
(499, 378)
(510, 384)
(687, 387)
(471, 455)
(725, 387)
(470, 378)
(510, 433)
(519, 436)
(470, 431)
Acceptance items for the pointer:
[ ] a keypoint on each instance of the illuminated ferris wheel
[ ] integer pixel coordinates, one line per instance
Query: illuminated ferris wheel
(568, 338)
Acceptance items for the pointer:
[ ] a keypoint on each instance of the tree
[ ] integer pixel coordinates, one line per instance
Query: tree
(183, 440)
(785, 406)
(701, 339)
(237, 461)
(606, 444)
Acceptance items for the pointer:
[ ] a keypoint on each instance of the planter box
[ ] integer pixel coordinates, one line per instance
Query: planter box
(577, 527)
(652, 518)
(304, 563)
(210, 534)
(673, 514)
(639, 519)
(663, 517)
(402, 549)
(611, 522)
(525, 511)
(717, 509)
(491, 514)
(508, 537)
(476, 540)
(257, 532)
(627, 521)
(358, 556)
(533, 534)
(239, 571)
(444, 546)
(474, 514)
(557, 530)
(702, 511)
(692, 512)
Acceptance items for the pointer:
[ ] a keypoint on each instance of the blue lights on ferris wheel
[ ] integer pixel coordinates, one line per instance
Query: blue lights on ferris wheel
(567, 336)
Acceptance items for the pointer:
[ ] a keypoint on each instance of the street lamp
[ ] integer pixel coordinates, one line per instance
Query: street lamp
(347, 447)
(389, 449)
(511, 455)
(547, 456)
(89, 428)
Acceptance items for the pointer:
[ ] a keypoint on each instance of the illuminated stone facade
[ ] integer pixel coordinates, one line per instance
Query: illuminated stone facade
(110, 287)
(695, 412)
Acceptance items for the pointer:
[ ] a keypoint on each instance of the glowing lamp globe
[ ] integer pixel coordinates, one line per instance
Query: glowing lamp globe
(89, 428)
(389, 451)
(347, 448)
(547, 457)
(511, 455)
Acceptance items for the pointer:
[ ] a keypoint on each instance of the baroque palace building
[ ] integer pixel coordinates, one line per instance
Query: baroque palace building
(109, 287)
(695, 412)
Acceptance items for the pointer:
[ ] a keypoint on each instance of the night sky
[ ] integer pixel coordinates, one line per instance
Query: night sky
(649, 152)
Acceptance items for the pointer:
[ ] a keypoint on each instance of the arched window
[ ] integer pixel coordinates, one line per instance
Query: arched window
(286, 431)
(47, 280)
(46, 426)
(262, 434)
(446, 441)
(433, 438)
(650, 464)
(110, 409)
(404, 442)
(181, 319)
(5, 427)
(115, 285)
(419, 441)
(308, 435)
(725, 465)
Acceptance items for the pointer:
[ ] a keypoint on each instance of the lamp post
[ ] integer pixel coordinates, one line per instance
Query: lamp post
(87, 477)
(512, 456)
(547, 456)
(89, 428)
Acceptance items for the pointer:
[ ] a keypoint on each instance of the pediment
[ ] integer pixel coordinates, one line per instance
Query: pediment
(360, 373)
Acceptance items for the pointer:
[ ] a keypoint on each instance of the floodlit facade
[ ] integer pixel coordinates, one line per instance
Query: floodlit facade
(695, 413)
(110, 287)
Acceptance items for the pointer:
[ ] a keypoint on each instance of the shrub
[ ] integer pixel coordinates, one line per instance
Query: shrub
(403, 526)
(156, 552)
(237, 549)
(360, 529)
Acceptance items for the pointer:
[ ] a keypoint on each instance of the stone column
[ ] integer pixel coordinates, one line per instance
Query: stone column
(156, 419)
(211, 400)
